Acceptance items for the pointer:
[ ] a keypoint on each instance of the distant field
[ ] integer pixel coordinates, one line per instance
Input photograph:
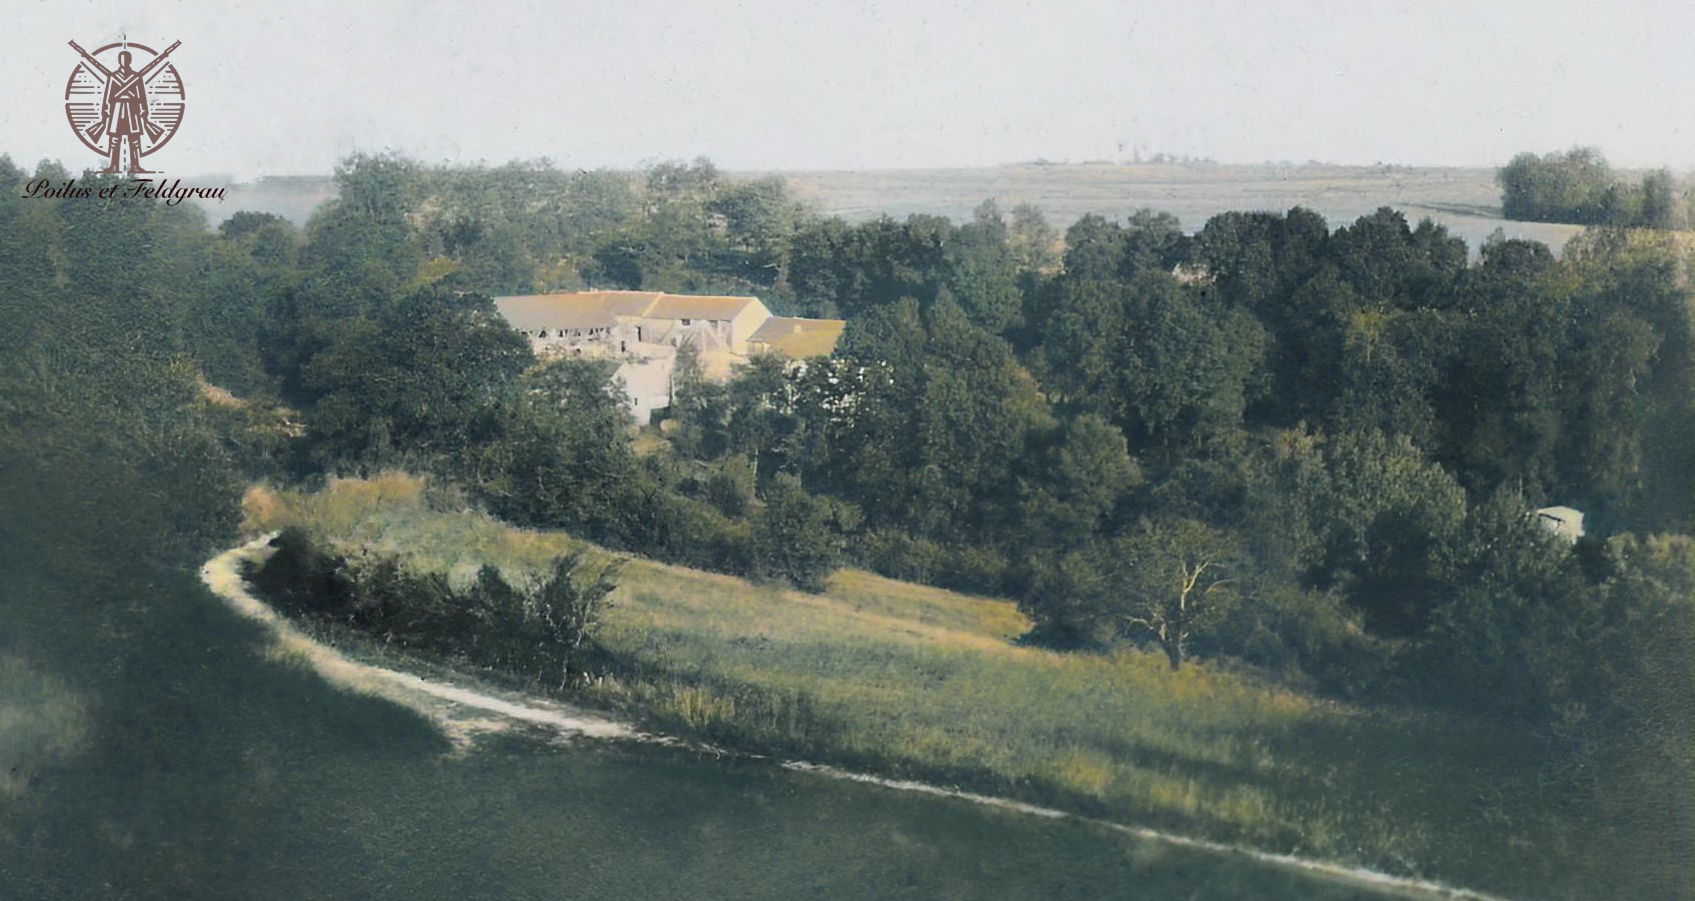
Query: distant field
(1467, 201)
(293, 197)
(912, 681)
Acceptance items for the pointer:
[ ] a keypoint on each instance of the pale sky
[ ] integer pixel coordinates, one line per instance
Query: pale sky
(289, 87)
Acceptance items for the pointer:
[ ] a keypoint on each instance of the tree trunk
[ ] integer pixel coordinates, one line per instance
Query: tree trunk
(1173, 650)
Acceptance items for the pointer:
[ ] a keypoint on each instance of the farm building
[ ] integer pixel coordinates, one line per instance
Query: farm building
(645, 329)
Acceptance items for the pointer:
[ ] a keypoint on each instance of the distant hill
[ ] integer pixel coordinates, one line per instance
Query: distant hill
(1467, 201)
(293, 197)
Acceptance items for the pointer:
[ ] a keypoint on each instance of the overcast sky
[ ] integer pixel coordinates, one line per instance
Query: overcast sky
(288, 87)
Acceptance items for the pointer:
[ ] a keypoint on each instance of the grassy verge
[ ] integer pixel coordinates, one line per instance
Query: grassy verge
(906, 680)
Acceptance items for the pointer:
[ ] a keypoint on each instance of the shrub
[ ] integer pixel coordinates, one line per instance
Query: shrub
(793, 538)
(1302, 632)
(534, 630)
(895, 554)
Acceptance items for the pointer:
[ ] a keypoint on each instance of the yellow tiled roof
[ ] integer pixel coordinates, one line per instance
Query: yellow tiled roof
(541, 310)
(624, 303)
(531, 312)
(697, 306)
(799, 338)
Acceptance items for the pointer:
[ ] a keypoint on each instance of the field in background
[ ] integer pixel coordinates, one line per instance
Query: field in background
(293, 197)
(1467, 201)
(907, 680)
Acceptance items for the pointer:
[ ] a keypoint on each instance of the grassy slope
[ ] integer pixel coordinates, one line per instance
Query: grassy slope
(909, 680)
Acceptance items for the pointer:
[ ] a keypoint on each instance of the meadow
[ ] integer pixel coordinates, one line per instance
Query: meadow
(910, 681)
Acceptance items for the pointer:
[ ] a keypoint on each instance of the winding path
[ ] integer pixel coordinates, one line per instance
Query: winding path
(463, 713)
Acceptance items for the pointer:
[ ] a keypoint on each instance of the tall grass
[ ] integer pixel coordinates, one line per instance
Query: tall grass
(913, 681)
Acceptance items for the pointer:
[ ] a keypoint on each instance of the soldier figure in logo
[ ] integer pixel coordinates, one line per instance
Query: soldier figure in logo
(124, 110)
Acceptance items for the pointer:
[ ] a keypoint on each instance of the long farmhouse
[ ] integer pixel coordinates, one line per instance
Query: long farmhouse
(643, 330)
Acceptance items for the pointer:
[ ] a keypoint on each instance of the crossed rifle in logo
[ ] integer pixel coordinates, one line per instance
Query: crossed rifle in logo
(141, 76)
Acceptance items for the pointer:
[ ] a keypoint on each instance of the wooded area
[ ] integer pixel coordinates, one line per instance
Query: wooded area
(1310, 451)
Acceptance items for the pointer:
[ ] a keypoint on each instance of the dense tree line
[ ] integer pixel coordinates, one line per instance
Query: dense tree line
(1578, 186)
(112, 312)
(527, 226)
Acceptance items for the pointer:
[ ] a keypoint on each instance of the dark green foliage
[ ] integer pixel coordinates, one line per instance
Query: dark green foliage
(1385, 520)
(1556, 187)
(1102, 250)
(1513, 636)
(1170, 370)
(361, 249)
(1578, 186)
(557, 453)
(686, 227)
(730, 487)
(1167, 582)
(542, 630)
(855, 269)
(102, 423)
(300, 576)
(689, 532)
(1637, 432)
(533, 631)
(1033, 240)
(1255, 259)
(246, 223)
(793, 538)
(1077, 477)
(837, 269)
(1303, 634)
(1387, 262)
(982, 272)
(943, 410)
(1660, 202)
(493, 260)
(697, 405)
(1643, 714)
(414, 380)
(757, 219)
(1628, 732)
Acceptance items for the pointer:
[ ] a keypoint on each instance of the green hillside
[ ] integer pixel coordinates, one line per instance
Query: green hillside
(906, 680)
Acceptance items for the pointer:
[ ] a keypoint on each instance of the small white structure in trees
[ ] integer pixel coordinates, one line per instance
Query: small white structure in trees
(1562, 521)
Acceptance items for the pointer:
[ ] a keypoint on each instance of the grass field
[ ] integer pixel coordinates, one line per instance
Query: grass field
(1467, 201)
(906, 680)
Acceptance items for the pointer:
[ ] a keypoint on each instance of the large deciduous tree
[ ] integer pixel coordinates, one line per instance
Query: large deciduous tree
(1170, 370)
(1168, 581)
(418, 379)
